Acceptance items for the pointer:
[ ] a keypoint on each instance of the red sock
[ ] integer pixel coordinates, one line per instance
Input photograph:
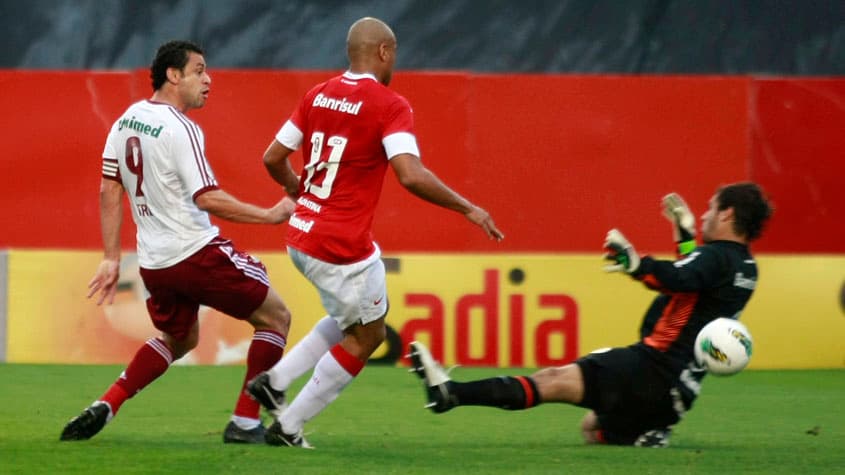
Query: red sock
(351, 364)
(150, 362)
(266, 349)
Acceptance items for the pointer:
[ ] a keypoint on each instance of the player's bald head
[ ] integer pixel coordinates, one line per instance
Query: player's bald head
(365, 36)
(371, 47)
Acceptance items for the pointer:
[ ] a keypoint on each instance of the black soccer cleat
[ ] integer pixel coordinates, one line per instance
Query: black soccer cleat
(89, 423)
(271, 399)
(655, 438)
(276, 436)
(437, 381)
(235, 435)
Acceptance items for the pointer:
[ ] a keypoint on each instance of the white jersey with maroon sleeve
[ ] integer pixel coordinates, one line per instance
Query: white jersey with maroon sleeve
(350, 126)
(158, 154)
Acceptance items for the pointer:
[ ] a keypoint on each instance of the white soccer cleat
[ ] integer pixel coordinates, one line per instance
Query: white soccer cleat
(436, 379)
(276, 436)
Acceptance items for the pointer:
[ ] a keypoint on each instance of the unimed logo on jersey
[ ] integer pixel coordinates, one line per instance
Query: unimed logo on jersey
(139, 127)
(505, 321)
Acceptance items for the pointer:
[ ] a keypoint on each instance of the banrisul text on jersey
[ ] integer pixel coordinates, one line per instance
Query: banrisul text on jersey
(340, 105)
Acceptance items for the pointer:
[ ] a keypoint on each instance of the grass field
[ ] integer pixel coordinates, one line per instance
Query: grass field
(755, 422)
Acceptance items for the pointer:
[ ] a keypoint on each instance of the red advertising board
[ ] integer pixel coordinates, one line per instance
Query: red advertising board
(556, 159)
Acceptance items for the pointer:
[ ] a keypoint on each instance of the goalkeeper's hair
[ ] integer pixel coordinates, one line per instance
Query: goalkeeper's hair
(173, 54)
(751, 208)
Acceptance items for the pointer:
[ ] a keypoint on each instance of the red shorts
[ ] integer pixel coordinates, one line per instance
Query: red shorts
(218, 276)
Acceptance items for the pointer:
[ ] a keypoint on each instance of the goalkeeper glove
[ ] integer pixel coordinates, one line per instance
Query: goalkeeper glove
(683, 222)
(621, 252)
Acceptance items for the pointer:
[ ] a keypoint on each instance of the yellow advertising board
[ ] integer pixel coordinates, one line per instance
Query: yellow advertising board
(524, 310)
(50, 320)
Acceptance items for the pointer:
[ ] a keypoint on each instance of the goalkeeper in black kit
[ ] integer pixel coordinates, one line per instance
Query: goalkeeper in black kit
(636, 394)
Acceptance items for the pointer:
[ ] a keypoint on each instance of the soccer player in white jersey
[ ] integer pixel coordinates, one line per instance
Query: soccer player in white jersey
(156, 155)
(352, 128)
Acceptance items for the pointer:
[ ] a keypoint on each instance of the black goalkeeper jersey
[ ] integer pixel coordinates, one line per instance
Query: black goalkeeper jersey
(714, 280)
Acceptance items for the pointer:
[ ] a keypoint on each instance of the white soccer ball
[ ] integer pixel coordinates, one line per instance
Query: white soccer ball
(723, 347)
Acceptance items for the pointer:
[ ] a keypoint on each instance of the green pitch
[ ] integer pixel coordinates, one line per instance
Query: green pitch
(756, 422)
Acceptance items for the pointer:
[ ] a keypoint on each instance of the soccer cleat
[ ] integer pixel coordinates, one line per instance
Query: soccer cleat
(655, 438)
(271, 399)
(276, 436)
(235, 435)
(436, 380)
(89, 423)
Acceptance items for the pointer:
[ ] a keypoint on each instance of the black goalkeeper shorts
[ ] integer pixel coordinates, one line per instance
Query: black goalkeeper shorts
(628, 394)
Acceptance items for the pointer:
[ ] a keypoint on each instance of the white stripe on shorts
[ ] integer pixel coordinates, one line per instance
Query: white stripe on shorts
(246, 266)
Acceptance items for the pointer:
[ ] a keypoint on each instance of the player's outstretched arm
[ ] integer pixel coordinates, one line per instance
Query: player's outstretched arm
(225, 206)
(420, 181)
(621, 253)
(111, 215)
(482, 218)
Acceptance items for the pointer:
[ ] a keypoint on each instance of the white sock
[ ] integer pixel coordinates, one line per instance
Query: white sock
(325, 386)
(111, 413)
(245, 423)
(305, 354)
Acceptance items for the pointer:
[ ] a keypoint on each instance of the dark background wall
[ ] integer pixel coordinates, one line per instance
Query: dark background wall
(585, 36)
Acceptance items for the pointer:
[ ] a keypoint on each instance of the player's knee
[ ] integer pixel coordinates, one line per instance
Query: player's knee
(272, 315)
(589, 422)
(179, 348)
(590, 428)
(550, 376)
(375, 335)
(591, 436)
(278, 321)
(381, 333)
(368, 337)
(547, 373)
(560, 384)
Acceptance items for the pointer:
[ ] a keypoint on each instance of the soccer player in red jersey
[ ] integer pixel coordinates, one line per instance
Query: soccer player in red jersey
(156, 154)
(352, 129)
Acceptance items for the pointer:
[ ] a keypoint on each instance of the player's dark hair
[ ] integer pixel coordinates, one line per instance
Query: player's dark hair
(751, 208)
(173, 54)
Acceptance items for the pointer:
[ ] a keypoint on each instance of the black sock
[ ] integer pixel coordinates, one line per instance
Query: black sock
(506, 392)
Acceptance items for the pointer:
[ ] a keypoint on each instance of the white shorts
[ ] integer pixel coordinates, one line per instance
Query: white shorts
(350, 293)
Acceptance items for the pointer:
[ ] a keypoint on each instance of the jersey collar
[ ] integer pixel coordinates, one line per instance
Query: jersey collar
(359, 76)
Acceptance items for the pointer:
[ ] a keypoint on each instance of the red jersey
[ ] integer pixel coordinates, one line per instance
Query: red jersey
(351, 125)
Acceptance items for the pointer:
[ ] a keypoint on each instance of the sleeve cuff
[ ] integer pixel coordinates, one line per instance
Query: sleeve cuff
(686, 247)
